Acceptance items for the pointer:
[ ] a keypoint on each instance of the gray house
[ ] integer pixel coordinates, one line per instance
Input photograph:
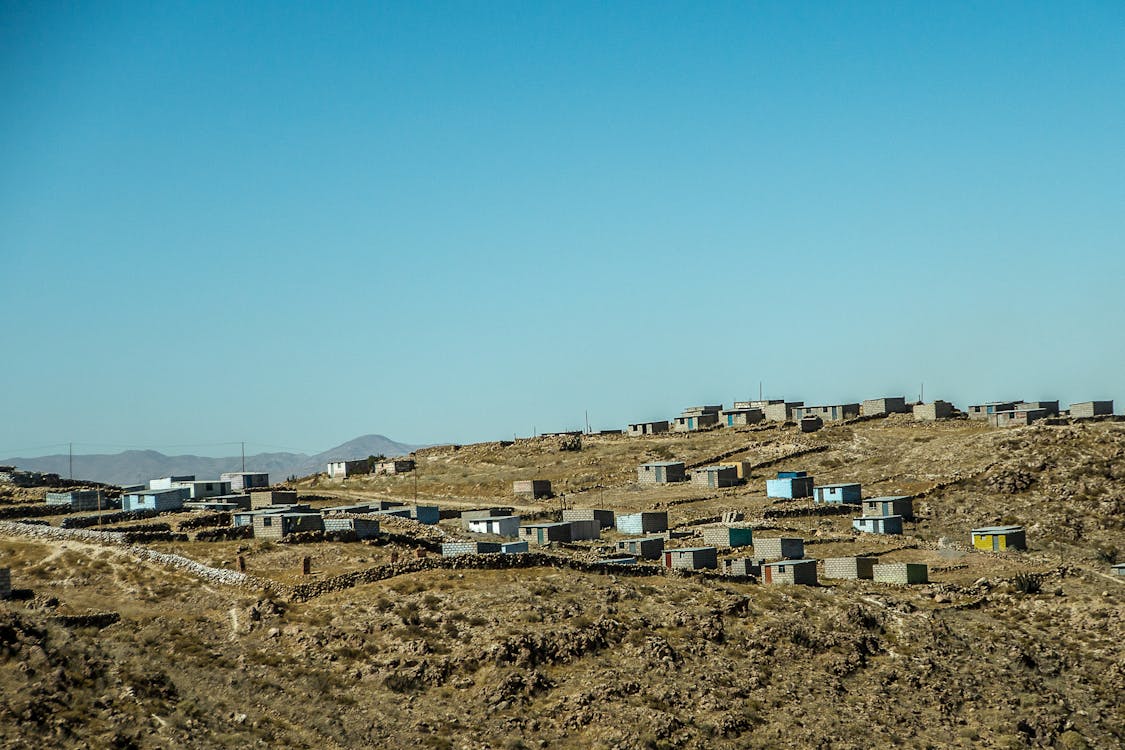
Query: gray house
(780, 411)
(897, 505)
(691, 558)
(901, 573)
(742, 567)
(880, 406)
(1017, 417)
(278, 525)
(715, 476)
(603, 517)
(648, 428)
(802, 572)
(741, 417)
(267, 498)
(850, 567)
(454, 549)
(532, 488)
(933, 411)
(830, 413)
(1051, 407)
(878, 524)
(661, 472)
(364, 528)
(779, 548)
(982, 412)
(645, 522)
(80, 500)
(697, 417)
(650, 548)
(1086, 409)
(241, 481)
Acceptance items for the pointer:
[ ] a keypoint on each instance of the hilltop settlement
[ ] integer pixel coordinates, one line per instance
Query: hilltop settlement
(942, 577)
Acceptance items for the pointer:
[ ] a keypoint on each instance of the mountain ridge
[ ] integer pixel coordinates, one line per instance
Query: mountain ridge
(138, 465)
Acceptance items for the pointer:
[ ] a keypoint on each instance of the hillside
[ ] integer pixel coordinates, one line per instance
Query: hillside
(553, 656)
(136, 467)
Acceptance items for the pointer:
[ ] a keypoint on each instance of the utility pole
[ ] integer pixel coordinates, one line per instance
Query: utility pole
(244, 456)
(587, 421)
(922, 394)
(759, 391)
(70, 451)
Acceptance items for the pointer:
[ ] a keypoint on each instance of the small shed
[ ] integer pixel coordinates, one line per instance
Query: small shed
(904, 573)
(933, 411)
(645, 522)
(715, 476)
(779, 548)
(364, 528)
(743, 417)
(505, 526)
(810, 423)
(279, 525)
(661, 472)
(895, 505)
(691, 558)
(801, 572)
(650, 548)
(241, 481)
(79, 499)
(532, 488)
(878, 524)
(603, 517)
(158, 500)
(513, 548)
(728, 536)
(850, 567)
(742, 567)
(838, 494)
(873, 407)
(545, 533)
(454, 549)
(648, 428)
(999, 538)
(789, 486)
(1086, 409)
(266, 498)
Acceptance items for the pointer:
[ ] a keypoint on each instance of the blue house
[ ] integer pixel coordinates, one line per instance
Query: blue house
(793, 484)
(427, 514)
(838, 494)
(158, 500)
(878, 524)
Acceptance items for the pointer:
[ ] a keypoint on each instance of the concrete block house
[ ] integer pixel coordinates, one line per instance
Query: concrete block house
(742, 567)
(80, 500)
(279, 525)
(779, 548)
(933, 411)
(850, 567)
(790, 484)
(268, 498)
(901, 573)
(697, 417)
(158, 500)
(998, 538)
(532, 488)
(728, 536)
(1017, 417)
(243, 481)
(983, 411)
(341, 469)
(1087, 409)
(650, 548)
(894, 505)
(364, 528)
(604, 517)
(645, 522)
(801, 572)
(718, 476)
(505, 526)
(838, 494)
(874, 407)
(780, 411)
(830, 413)
(691, 558)
(878, 524)
(648, 428)
(455, 549)
(741, 417)
(661, 472)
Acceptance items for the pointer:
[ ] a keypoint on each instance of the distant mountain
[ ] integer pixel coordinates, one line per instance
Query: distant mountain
(137, 467)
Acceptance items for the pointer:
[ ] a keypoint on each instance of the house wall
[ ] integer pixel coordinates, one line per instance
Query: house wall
(453, 549)
(889, 506)
(648, 428)
(728, 536)
(79, 499)
(851, 494)
(796, 573)
(905, 573)
(513, 548)
(933, 411)
(875, 406)
(661, 473)
(649, 549)
(266, 498)
(878, 524)
(533, 488)
(742, 566)
(790, 487)
(646, 522)
(268, 526)
(715, 476)
(241, 481)
(1004, 541)
(694, 559)
(780, 412)
(583, 530)
(505, 526)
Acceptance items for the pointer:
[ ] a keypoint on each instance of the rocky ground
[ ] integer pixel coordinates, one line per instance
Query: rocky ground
(1007, 651)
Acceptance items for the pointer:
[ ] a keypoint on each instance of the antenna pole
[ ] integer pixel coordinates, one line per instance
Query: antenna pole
(70, 451)
(244, 456)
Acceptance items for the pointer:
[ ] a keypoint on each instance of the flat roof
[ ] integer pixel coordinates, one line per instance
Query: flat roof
(787, 562)
(838, 484)
(691, 549)
(486, 519)
(997, 529)
(888, 497)
(876, 518)
(663, 463)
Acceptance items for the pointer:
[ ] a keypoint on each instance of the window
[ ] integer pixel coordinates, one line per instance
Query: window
(267, 521)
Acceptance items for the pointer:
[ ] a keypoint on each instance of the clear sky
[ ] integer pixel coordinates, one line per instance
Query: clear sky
(294, 223)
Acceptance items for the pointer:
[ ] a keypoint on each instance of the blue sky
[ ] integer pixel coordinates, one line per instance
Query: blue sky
(291, 223)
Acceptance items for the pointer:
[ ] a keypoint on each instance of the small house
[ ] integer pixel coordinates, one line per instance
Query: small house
(874, 407)
(454, 549)
(167, 483)
(878, 524)
(838, 494)
(279, 525)
(1086, 409)
(728, 536)
(648, 428)
(697, 417)
(242, 481)
(742, 567)
(850, 567)
(545, 533)
(364, 528)
(344, 469)
(791, 487)
(742, 469)
(715, 476)
(202, 489)
(896, 505)
(1016, 417)
(505, 526)
(268, 498)
(645, 522)
(427, 514)
(603, 517)
(80, 500)
(1118, 569)
(830, 413)
(395, 466)
(581, 531)
(741, 417)
(651, 548)
(902, 573)
(779, 548)
(999, 538)
(933, 411)
(1051, 407)
(801, 572)
(532, 488)
(661, 472)
(691, 558)
(246, 518)
(982, 412)
(158, 500)
(5, 583)
(472, 515)
(780, 411)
